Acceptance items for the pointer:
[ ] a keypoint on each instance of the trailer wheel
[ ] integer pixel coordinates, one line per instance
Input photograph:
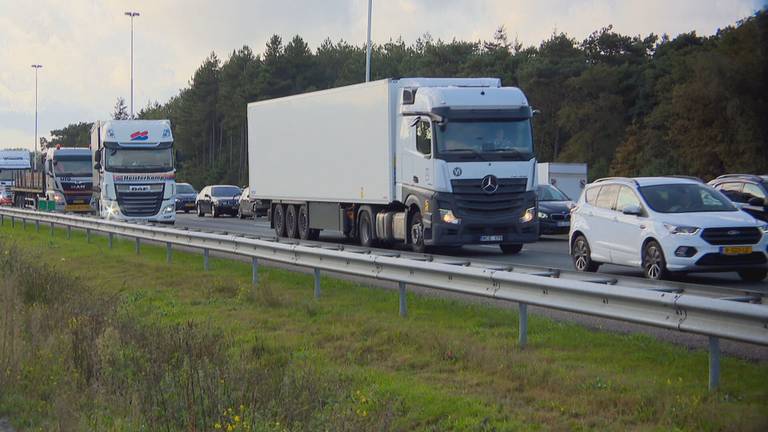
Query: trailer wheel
(291, 227)
(365, 229)
(278, 220)
(416, 231)
(303, 222)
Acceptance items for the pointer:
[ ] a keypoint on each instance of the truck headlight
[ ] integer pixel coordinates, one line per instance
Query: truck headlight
(448, 217)
(59, 198)
(543, 215)
(681, 229)
(169, 208)
(529, 215)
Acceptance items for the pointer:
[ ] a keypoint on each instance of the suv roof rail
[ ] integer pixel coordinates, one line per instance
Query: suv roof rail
(745, 176)
(694, 178)
(627, 179)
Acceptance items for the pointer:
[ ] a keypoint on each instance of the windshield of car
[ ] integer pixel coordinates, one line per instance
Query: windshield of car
(225, 191)
(550, 193)
(139, 160)
(72, 167)
(184, 188)
(484, 139)
(685, 198)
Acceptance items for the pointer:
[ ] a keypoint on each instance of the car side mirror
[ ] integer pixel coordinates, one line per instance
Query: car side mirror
(755, 201)
(632, 210)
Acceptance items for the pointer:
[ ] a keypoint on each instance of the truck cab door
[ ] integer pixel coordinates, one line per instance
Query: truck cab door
(418, 164)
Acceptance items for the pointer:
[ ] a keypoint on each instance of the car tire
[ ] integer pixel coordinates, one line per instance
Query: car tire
(214, 213)
(200, 212)
(278, 220)
(302, 220)
(416, 233)
(511, 248)
(753, 275)
(654, 263)
(240, 213)
(581, 254)
(291, 226)
(365, 230)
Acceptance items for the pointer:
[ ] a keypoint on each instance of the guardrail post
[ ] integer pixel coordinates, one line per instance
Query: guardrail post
(254, 271)
(138, 245)
(714, 363)
(168, 252)
(205, 259)
(109, 240)
(23, 223)
(317, 283)
(88, 235)
(13, 222)
(523, 331)
(2, 219)
(37, 226)
(69, 232)
(51, 229)
(403, 303)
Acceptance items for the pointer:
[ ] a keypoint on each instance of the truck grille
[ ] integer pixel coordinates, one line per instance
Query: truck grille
(731, 236)
(471, 198)
(139, 200)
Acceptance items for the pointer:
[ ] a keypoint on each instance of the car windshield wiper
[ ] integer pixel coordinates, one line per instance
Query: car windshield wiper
(465, 150)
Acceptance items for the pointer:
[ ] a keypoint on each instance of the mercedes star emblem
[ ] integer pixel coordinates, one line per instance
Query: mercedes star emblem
(490, 184)
(457, 171)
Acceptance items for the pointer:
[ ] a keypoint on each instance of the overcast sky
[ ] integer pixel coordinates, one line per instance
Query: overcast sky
(84, 45)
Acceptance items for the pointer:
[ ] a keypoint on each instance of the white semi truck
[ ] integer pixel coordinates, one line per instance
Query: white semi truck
(416, 161)
(61, 181)
(133, 172)
(568, 177)
(10, 162)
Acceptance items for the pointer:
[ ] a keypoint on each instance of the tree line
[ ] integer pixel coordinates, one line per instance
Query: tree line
(626, 105)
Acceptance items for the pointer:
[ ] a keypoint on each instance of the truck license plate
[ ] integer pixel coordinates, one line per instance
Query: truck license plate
(736, 250)
(491, 238)
(77, 207)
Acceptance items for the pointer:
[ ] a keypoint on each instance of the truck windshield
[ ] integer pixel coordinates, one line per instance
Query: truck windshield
(484, 139)
(6, 175)
(72, 167)
(139, 160)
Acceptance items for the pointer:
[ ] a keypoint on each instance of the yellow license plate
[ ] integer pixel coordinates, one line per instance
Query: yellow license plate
(736, 250)
(78, 208)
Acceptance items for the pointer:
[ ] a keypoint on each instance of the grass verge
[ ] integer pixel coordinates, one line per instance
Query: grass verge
(100, 339)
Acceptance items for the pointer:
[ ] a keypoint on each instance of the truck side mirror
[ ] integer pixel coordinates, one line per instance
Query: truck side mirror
(97, 166)
(97, 156)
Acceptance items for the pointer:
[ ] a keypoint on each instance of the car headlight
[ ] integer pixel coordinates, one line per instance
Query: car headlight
(448, 217)
(681, 229)
(543, 215)
(764, 229)
(529, 215)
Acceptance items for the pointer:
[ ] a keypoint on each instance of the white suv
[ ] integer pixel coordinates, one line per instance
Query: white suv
(664, 225)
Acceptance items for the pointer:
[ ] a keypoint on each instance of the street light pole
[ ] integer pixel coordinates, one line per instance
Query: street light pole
(36, 67)
(132, 15)
(368, 49)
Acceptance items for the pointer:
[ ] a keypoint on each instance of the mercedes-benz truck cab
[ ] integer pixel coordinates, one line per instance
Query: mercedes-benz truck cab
(134, 174)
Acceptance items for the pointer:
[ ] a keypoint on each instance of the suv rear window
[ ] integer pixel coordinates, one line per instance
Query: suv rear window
(607, 196)
(590, 195)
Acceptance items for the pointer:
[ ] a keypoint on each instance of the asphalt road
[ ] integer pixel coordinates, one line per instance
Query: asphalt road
(550, 251)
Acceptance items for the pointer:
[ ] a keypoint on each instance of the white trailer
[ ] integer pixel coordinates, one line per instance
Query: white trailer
(568, 177)
(418, 161)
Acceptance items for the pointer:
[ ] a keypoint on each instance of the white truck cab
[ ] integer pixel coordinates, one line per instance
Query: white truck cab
(133, 172)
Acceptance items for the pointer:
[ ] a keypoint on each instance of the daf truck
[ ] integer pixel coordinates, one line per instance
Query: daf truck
(418, 162)
(62, 176)
(133, 170)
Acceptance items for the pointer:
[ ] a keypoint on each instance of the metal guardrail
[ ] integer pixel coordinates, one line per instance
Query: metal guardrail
(716, 318)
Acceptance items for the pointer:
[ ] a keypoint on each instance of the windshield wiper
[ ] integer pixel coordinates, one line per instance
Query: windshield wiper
(465, 150)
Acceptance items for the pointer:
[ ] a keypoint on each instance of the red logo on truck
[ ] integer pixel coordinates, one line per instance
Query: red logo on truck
(140, 136)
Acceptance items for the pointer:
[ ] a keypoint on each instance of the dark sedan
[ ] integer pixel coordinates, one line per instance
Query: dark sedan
(218, 200)
(185, 197)
(554, 210)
